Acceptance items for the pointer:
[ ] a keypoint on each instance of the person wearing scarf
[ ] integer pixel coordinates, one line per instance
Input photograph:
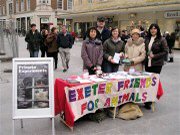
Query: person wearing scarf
(92, 52)
(135, 50)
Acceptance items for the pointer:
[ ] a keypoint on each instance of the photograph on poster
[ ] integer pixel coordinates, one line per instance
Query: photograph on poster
(32, 86)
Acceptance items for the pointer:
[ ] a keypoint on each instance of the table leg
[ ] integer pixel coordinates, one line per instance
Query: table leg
(62, 120)
(153, 106)
(114, 112)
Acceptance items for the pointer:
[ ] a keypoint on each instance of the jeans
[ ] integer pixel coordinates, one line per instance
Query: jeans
(34, 53)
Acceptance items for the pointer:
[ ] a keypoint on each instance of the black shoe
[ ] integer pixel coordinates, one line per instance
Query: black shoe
(64, 70)
(148, 105)
(171, 60)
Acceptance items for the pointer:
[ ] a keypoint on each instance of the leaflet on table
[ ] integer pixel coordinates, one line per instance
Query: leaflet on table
(116, 58)
(83, 80)
(94, 78)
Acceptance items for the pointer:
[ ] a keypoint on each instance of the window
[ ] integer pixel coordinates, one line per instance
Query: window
(10, 8)
(60, 4)
(22, 5)
(44, 2)
(70, 4)
(28, 5)
(4, 12)
(17, 6)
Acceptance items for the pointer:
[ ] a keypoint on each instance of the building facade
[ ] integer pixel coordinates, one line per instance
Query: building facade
(41, 12)
(78, 15)
(126, 14)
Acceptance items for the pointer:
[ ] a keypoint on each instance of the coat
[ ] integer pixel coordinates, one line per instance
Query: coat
(34, 40)
(159, 49)
(65, 41)
(51, 43)
(135, 51)
(92, 53)
(110, 48)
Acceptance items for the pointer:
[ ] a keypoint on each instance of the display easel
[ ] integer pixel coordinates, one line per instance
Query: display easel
(22, 126)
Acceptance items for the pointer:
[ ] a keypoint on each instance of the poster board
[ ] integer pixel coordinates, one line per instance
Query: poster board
(33, 88)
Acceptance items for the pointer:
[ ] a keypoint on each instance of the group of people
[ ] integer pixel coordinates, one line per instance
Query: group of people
(145, 54)
(50, 43)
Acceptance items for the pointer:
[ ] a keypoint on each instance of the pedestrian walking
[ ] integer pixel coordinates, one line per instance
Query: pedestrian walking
(43, 47)
(156, 49)
(171, 45)
(34, 40)
(111, 47)
(92, 51)
(65, 43)
(51, 43)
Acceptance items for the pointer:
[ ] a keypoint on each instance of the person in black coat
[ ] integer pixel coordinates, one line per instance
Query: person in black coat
(43, 47)
(103, 33)
(34, 40)
(156, 49)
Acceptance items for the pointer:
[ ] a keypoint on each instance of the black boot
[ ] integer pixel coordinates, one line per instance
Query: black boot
(148, 105)
(171, 59)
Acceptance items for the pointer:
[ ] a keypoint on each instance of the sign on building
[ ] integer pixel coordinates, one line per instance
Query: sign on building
(172, 14)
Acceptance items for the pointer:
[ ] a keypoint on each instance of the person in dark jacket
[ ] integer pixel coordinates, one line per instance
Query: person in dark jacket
(103, 33)
(34, 40)
(51, 43)
(171, 41)
(65, 43)
(92, 51)
(111, 46)
(156, 49)
(43, 47)
(124, 36)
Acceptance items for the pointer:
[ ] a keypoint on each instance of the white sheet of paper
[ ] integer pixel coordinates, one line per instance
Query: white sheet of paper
(116, 57)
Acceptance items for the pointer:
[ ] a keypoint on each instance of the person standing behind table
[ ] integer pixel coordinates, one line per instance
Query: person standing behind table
(103, 33)
(65, 43)
(43, 47)
(156, 50)
(135, 51)
(92, 51)
(51, 43)
(34, 40)
(111, 46)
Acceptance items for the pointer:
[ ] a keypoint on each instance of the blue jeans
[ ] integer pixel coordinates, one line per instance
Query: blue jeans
(34, 53)
(109, 67)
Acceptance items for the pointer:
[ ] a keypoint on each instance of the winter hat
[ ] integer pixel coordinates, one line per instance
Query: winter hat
(135, 31)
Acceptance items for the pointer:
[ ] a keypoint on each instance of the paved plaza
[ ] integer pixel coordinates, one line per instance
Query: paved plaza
(164, 121)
